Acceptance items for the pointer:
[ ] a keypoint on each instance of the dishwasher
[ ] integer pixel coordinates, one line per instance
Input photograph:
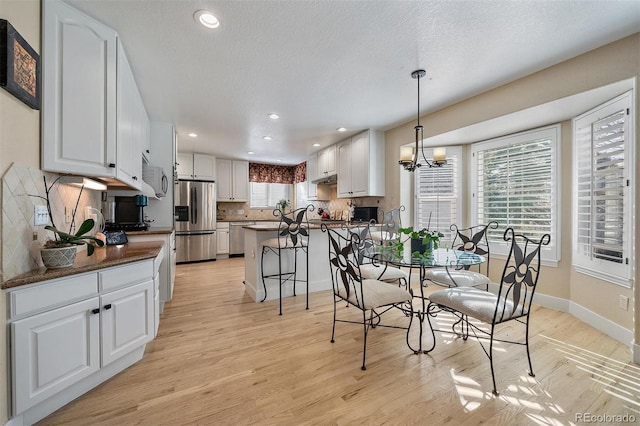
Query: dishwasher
(236, 238)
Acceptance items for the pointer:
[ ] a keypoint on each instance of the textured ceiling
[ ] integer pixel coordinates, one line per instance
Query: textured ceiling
(325, 64)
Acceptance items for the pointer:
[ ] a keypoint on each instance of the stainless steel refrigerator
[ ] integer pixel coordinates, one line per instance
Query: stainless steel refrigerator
(195, 214)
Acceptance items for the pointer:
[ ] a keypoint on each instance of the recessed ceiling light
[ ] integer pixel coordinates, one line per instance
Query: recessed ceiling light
(316, 144)
(193, 135)
(273, 116)
(250, 152)
(279, 160)
(342, 129)
(206, 18)
(267, 138)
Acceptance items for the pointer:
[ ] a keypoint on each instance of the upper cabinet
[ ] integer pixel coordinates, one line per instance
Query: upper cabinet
(194, 166)
(94, 122)
(79, 93)
(133, 125)
(326, 163)
(232, 180)
(361, 165)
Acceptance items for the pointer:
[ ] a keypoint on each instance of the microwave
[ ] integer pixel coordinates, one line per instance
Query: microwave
(365, 214)
(156, 178)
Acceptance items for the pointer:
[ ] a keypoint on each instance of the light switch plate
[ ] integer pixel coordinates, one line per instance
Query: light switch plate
(40, 216)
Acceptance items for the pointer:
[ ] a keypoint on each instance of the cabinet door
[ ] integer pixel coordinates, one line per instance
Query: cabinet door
(360, 167)
(129, 165)
(223, 242)
(312, 167)
(329, 161)
(240, 181)
(224, 180)
(184, 165)
(79, 93)
(344, 169)
(204, 167)
(52, 351)
(127, 320)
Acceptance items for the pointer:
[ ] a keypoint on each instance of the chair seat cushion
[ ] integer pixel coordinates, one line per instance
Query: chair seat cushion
(460, 278)
(382, 273)
(474, 302)
(376, 294)
(284, 242)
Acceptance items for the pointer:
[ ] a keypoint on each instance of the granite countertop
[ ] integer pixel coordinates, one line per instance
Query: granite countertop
(103, 257)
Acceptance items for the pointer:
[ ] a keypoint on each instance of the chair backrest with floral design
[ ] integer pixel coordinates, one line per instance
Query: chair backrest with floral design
(345, 268)
(519, 277)
(293, 231)
(387, 229)
(474, 240)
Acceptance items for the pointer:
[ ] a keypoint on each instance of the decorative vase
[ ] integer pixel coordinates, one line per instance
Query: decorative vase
(58, 257)
(418, 246)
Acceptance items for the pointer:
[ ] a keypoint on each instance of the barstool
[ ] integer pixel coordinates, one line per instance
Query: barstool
(293, 234)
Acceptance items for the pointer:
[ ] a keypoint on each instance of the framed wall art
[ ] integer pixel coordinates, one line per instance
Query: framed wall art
(19, 66)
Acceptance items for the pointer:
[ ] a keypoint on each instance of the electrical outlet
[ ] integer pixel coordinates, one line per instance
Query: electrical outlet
(623, 302)
(68, 214)
(40, 216)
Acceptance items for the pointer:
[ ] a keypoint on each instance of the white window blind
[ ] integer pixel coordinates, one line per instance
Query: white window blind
(437, 194)
(267, 195)
(602, 181)
(516, 186)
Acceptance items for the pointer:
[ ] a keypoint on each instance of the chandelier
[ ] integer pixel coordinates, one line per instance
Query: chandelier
(408, 154)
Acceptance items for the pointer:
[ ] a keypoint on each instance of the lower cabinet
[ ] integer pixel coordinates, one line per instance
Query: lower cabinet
(222, 241)
(58, 341)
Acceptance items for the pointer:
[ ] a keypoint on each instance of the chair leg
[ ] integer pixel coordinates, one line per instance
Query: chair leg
(306, 252)
(364, 344)
(333, 328)
(295, 270)
(493, 375)
(531, 373)
(280, 278)
(264, 285)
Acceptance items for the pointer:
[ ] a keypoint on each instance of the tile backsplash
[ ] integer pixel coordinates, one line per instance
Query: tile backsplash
(22, 189)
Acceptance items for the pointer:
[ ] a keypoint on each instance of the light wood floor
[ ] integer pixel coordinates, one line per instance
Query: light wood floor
(221, 359)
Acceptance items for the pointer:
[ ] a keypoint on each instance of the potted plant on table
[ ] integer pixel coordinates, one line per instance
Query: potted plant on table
(283, 204)
(61, 251)
(423, 241)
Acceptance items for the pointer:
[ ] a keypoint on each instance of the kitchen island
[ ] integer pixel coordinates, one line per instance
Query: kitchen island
(319, 275)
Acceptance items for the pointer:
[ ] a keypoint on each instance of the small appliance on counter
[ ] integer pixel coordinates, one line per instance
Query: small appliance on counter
(128, 214)
(364, 214)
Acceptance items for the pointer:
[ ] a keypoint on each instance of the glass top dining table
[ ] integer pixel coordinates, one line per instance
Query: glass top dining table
(438, 258)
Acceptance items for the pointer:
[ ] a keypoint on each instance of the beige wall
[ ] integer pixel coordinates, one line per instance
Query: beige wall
(19, 139)
(609, 64)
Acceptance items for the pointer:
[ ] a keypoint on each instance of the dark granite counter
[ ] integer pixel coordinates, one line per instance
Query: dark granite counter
(103, 257)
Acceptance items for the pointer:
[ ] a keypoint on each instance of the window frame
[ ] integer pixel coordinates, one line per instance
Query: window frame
(551, 254)
(620, 274)
(452, 151)
(291, 192)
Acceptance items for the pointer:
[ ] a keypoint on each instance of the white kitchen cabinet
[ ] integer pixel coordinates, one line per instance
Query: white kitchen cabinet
(126, 319)
(223, 238)
(194, 166)
(53, 350)
(70, 334)
(361, 166)
(79, 93)
(167, 271)
(232, 180)
(326, 163)
(132, 121)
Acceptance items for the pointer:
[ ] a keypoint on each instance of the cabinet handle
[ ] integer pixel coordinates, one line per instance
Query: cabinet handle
(134, 177)
(112, 165)
(107, 307)
(95, 311)
(147, 150)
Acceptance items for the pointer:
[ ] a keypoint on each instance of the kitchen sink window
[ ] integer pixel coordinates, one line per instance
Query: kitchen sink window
(267, 195)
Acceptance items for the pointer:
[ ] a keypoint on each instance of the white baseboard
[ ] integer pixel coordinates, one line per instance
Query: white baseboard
(608, 327)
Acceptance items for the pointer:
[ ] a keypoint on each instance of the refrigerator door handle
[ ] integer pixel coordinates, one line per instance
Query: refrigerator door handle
(194, 205)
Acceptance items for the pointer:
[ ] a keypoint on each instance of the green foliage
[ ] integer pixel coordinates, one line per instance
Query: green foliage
(64, 239)
(428, 238)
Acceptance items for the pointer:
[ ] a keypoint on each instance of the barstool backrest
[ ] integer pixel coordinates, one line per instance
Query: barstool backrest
(293, 230)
